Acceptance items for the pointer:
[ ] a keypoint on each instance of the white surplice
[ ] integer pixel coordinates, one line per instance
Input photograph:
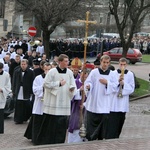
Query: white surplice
(99, 96)
(38, 92)
(122, 104)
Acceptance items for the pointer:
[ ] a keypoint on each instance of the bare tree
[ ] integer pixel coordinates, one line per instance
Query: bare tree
(125, 11)
(51, 13)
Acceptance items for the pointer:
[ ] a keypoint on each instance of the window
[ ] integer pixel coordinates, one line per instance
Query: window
(120, 51)
(115, 50)
(2, 8)
(130, 51)
(101, 15)
(101, 19)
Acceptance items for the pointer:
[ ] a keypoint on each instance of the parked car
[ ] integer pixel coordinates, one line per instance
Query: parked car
(103, 35)
(92, 37)
(133, 55)
(110, 35)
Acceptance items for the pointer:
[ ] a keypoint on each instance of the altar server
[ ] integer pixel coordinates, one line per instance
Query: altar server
(5, 89)
(99, 86)
(120, 99)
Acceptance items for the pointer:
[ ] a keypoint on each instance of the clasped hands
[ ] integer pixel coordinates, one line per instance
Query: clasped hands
(63, 82)
(103, 81)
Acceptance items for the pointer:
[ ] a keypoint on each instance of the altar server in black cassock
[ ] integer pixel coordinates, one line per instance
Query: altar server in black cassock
(120, 104)
(34, 125)
(99, 86)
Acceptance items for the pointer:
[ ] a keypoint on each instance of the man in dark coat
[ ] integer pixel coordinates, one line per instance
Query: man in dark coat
(13, 65)
(24, 46)
(38, 71)
(22, 89)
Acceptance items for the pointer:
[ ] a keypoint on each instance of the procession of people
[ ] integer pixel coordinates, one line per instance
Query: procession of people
(56, 97)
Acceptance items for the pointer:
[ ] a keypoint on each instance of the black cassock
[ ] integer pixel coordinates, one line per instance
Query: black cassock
(23, 107)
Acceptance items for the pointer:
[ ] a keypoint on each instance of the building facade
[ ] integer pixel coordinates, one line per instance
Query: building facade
(16, 24)
(6, 16)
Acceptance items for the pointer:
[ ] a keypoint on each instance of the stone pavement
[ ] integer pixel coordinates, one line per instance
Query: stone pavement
(135, 134)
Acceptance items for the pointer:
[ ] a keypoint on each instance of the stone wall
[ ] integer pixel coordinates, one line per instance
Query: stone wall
(8, 14)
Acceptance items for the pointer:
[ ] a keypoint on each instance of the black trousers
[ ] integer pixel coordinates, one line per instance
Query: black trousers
(115, 124)
(96, 125)
(1, 121)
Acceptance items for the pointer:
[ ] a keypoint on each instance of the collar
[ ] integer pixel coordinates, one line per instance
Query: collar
(125, 72)
(106, 72)
(43, 75)
(60, 70)
(23, 70)
(76, 76)
(5, 61)
(1, 73)
(5, 50)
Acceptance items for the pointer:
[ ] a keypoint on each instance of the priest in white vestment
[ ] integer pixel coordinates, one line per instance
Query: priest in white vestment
(59, 87)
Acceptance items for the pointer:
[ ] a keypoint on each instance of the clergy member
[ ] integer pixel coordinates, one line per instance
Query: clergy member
(37, 111)
(59, 87)
(22, 89)
(120, 99)
(74, 120)
(99, 86)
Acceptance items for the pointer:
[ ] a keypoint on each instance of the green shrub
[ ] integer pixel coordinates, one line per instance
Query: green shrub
(143, 89)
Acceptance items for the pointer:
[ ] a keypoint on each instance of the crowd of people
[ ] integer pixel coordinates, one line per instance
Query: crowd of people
(72, 48)
(55, 97)
(75, 48)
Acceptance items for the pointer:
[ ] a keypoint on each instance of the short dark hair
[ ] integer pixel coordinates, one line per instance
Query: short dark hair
(105, 57)
(42, 63)
(8, 54)
(43, 54)
(123, 59)
(24, 60)
(1, 65)
(54, 63)
(47, 64)
(62, 56)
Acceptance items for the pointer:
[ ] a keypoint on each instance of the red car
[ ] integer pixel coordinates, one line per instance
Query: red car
(133, 55)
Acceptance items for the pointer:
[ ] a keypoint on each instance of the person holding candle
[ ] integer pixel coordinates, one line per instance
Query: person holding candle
(120, 100)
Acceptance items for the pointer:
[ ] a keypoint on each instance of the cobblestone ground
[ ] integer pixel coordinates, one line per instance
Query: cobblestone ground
(135, 134)
(137, 124)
